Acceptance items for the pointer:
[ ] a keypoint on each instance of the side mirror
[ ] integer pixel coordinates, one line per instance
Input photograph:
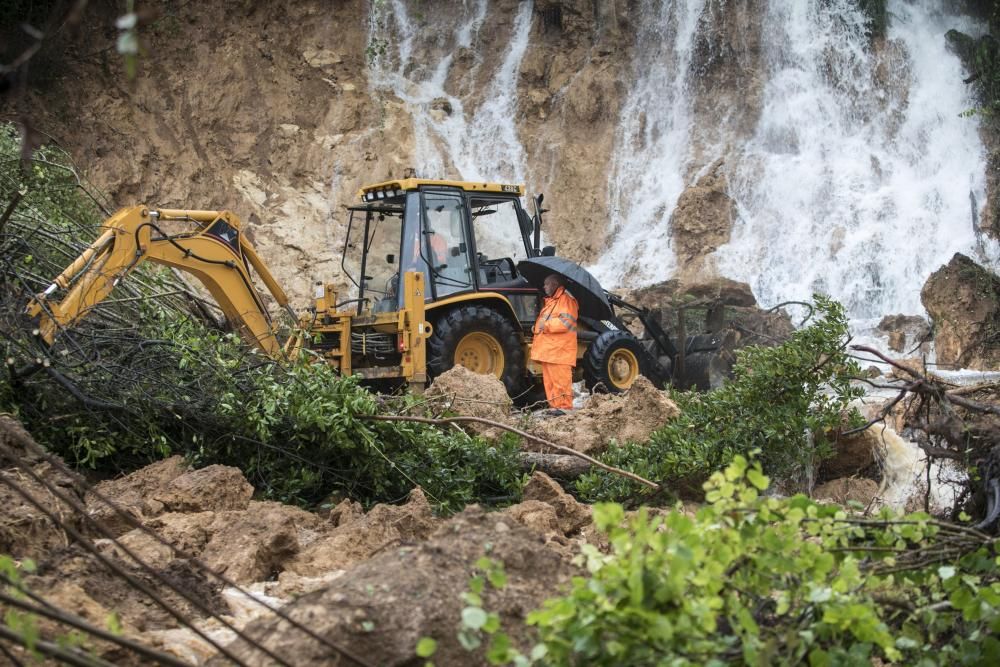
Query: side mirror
(549, 251)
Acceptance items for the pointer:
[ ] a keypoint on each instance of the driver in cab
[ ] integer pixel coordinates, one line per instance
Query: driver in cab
(554, 344)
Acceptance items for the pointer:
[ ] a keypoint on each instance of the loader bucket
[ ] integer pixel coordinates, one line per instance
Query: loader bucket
(704, 370)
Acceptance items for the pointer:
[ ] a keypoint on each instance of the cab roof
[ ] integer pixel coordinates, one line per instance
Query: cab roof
(397, 187)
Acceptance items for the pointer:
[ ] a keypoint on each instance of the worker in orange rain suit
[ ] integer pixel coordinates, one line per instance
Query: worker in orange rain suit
(554, 345)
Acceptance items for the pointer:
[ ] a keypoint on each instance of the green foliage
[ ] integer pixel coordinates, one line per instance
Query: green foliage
(781, 401)
(300, 432)
(754, 580)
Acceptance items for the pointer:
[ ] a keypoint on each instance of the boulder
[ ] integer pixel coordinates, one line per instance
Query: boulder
(466, 392)
(213, 488)
(846, 489)
(904, 330)
(853, 455)
(702, 220)
(628, 417)
(132, 494)
(963, 300)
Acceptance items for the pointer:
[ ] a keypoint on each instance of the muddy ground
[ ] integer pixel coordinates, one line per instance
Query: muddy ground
(144, 549)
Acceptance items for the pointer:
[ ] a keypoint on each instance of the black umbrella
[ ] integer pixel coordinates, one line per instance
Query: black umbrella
(588, 292)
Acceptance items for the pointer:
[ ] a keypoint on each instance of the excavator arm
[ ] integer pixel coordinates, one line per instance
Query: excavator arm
(212, 248)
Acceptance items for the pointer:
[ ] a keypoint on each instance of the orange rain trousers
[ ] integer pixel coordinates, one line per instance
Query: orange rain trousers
(554, 347)
(558, 381)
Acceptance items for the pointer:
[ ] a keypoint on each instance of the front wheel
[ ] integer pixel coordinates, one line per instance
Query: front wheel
(613, 362)
(482, 340)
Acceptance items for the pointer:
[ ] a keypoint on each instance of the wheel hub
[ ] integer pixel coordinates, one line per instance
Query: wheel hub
(480, 353)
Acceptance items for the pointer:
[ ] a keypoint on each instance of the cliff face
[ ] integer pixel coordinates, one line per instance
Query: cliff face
(639, 119)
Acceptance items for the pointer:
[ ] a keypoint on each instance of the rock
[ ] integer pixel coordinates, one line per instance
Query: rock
(702, 220)
(536, 515)
(356, 540)
(215, 487)
(846, 489)
(897, 341)
(572, 515)
(854, 455)
(345, 512)
(913, 364)
(379, 609)
(963, 300)
(134, 494)
(901, 328)
(254, 545)
(187, 532)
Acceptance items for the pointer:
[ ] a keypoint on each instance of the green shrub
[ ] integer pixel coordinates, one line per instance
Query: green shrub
(753, 580)
(781, 401)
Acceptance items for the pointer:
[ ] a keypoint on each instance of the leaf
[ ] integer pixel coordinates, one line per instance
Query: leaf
(426, 647)
(758, 479)
(474, 618)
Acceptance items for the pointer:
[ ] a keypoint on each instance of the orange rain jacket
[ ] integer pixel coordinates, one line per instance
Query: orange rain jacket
(555, 330)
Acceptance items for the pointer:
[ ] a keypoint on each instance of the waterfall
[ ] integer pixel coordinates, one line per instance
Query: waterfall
(857, 181)
(449, 140)
(651, 146)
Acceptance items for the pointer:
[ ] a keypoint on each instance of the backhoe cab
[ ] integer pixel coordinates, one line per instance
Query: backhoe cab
(434, 269)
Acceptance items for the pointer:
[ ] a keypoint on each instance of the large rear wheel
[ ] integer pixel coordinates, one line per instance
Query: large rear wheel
(613, 361)
(482, 340)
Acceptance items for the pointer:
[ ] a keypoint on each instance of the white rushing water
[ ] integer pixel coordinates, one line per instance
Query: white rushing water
(859, 180)
(450, 140)
(651, 146)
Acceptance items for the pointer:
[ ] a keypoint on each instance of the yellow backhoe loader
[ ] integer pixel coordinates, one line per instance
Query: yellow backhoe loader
(435, 271)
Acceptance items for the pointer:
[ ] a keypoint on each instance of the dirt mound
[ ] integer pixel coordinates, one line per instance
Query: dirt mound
(26, 531)
(465, 392)
(628, 417)
(356, 538)
(382, 607)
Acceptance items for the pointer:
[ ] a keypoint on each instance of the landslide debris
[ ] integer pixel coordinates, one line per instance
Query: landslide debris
(627, 417)
(382, 607)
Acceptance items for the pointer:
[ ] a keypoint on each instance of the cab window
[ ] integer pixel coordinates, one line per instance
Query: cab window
(445, 246)
(500, 244)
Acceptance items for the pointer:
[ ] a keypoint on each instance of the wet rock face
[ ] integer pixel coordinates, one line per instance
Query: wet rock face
(963, 300)
(702, 221)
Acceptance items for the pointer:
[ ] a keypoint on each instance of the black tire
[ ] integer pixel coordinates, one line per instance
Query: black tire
(602, 369)
(454, 326)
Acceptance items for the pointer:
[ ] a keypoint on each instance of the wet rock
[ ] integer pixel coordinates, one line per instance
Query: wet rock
(963, 300)
(855, 455)
(465, 392)
(702, 220)
(379, 609)
(256, 544)
(356, 540)
(903, 328)
(215, 487)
